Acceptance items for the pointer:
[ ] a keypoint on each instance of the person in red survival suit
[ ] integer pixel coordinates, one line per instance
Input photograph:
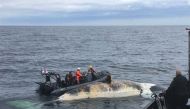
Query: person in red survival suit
(78, 75)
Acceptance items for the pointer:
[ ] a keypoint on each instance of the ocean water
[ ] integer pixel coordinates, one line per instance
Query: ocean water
(144, 54)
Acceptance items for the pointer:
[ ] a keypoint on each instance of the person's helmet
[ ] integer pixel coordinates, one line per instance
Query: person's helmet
(90, 66)
(78, 68)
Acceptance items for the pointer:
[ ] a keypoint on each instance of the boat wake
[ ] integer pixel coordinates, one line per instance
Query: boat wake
(117, 89)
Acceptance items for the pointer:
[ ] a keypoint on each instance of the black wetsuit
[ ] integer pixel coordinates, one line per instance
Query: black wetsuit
(47, 77)
(177, 93)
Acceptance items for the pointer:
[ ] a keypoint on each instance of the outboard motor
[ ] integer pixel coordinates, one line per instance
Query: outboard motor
(108, 80)
(45, 88)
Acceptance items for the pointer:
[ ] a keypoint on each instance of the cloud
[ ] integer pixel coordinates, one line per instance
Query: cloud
(79, 10)
(86, 5)
(10, 8)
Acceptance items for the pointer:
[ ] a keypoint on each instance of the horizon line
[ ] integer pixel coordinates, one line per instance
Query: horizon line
(93, 25)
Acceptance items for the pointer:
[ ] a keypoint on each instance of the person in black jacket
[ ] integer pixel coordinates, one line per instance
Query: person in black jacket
(177, 93)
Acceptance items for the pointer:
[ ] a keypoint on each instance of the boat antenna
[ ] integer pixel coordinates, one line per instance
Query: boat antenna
(188, 29)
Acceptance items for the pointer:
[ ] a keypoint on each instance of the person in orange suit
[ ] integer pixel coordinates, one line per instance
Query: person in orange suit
(78, 75)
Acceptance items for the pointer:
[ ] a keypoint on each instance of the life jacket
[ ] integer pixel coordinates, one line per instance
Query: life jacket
(78, 74)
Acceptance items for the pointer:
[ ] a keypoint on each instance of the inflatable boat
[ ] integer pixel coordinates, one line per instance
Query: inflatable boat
(54, 85)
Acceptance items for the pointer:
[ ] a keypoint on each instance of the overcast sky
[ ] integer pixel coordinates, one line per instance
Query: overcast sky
(94, 12)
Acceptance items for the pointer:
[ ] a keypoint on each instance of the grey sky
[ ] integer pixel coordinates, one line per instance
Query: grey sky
(94, 12)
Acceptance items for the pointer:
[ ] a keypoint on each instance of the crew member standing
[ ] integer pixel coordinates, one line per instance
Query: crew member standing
(47, 75)
(91, 72)
(70, 78)
(78, 75)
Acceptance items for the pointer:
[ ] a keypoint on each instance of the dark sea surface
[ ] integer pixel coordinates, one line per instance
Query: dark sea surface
(145, 54)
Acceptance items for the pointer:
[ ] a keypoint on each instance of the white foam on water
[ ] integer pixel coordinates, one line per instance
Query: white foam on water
(146, 92)
(117, 89)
